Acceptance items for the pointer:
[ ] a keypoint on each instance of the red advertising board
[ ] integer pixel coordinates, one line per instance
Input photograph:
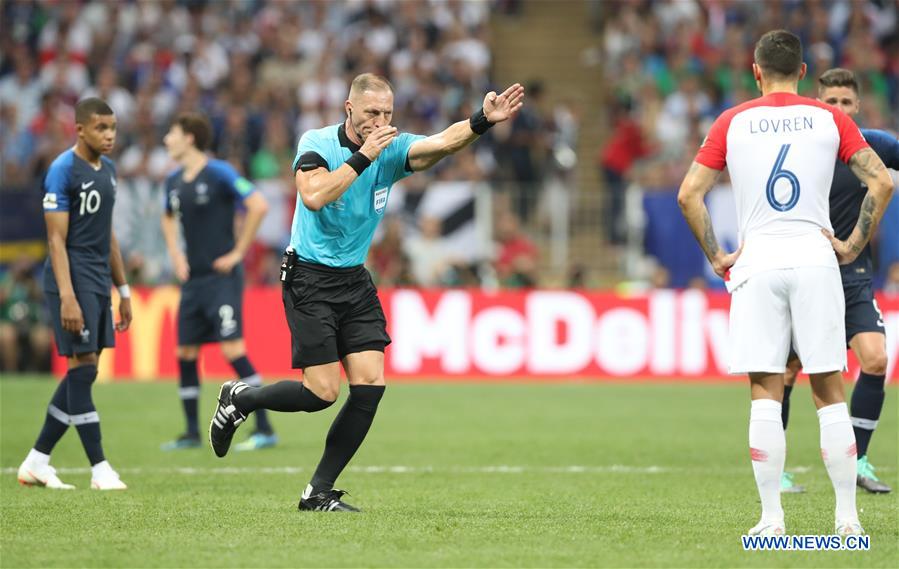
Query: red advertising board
(550, 335)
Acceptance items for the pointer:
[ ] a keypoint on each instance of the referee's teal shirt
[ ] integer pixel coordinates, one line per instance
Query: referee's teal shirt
(340, 234)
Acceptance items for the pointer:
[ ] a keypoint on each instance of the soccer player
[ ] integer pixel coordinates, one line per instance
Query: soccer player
(344, 173)
(79, 193)
(205, 194)
(865, 332)
(784, 279)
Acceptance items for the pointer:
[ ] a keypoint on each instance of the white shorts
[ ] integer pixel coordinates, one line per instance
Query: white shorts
(773, 309)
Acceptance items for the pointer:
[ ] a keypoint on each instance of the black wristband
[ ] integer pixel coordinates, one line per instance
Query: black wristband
(479, 123)
(358, 162)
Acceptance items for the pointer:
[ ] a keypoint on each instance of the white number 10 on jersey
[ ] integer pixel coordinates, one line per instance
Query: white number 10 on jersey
(90, 201)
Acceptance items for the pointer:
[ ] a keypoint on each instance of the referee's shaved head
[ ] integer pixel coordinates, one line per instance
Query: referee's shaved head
(369, 106)
(369, 82)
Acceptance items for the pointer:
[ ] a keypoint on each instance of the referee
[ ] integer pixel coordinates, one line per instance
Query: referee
(344, 173)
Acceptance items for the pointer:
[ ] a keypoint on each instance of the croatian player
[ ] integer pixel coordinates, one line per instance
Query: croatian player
(344, 173)
(785, 280)
(204, 194)
(865, 331)
(84, 260)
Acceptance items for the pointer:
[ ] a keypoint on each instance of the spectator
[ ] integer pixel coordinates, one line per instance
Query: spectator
(517, 257)
(387, 261)
(142, 169)
(891, 286)
(429, 259)
(625, 145)
(119, 99)
(24, 331)
(524, 152)
(22, 89)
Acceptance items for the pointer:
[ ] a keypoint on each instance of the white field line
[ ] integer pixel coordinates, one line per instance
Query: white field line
(498, 469)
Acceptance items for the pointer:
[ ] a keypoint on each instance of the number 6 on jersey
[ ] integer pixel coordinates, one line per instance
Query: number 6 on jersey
(777, 173)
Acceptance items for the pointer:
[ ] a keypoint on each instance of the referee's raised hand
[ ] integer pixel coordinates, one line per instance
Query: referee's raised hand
(498, 108)
(378, 140)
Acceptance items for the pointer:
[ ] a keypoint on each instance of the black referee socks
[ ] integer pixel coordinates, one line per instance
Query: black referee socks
(286, 396)
(346, 434)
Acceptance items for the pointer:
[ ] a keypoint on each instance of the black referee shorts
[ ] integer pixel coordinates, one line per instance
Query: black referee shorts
(332, 312)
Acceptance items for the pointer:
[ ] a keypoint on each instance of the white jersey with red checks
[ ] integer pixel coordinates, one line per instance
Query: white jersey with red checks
(780, 150)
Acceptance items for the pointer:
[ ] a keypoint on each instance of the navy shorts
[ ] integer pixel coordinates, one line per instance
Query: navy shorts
(211, 309)
(98, 331)
(332, 312)
(862, 312)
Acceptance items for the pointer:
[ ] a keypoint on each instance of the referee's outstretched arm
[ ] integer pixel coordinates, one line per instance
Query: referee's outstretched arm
(369, 112)
(497, 108)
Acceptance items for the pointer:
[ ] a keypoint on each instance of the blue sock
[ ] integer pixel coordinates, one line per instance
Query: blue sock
(865, 406)
(57, 420)
(785, 405)
(82, 412)
(247, 374)
(189, 390)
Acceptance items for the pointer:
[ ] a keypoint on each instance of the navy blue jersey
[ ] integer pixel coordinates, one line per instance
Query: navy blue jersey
(72, 185)
(847, 194)
(206, 206)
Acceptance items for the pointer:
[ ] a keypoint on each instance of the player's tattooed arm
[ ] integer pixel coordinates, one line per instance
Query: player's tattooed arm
(869, 168)
(866, 164)
(709, 241)
(697, 183)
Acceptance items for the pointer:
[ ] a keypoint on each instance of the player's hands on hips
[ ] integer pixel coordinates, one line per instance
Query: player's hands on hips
(124, 314)
(182, 269)
(498, 108)
(378, 140)
(226, 262)
(846, 252)
(724, 261)
(72, 318)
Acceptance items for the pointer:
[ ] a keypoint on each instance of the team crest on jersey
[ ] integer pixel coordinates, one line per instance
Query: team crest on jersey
(380, 200)
(202, 193)
(50, 201)
(174, 201)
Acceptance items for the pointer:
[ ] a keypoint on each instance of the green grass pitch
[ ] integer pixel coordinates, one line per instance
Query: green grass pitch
(466, 475)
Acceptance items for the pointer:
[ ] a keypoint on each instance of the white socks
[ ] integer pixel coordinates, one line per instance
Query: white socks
(839, 454)
(768, 450)
(101, 469)
(38, 458)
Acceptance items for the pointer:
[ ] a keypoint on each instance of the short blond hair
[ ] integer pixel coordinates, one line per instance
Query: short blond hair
(370, 82)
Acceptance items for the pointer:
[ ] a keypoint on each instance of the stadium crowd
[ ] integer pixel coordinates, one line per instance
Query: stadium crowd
(263, 71)
(672, 66)
(266, 70)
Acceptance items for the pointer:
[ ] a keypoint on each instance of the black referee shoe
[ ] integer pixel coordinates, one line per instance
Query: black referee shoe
(226, 418)
(325, 501)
